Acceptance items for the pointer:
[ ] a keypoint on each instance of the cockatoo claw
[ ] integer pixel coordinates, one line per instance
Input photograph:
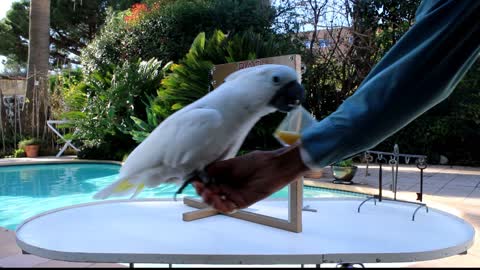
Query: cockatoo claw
(202, 175)
(197, 174)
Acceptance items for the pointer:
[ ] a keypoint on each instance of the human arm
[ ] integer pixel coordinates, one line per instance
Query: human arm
(420, 71)
(251, 177)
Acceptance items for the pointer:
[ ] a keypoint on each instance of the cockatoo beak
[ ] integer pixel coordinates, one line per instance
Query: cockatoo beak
(288, 97)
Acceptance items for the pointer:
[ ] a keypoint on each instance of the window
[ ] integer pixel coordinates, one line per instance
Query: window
(324, 43)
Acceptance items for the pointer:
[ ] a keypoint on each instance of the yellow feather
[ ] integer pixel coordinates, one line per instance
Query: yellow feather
(123, 186)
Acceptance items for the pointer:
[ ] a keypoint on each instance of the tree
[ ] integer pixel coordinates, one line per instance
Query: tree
(165, 29)
(14, 33)
(350, 39)
(75, 23)
(34, 114)
(72, 25)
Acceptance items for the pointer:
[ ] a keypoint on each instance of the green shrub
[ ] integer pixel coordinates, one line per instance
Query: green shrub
(119, 94)
(107, 48)
(66, 92)
(167, 28)
(32, 141)
(111, 147)
(142, 129)
(344, 163)
(189, 80)
(109, 100)
(19, 153)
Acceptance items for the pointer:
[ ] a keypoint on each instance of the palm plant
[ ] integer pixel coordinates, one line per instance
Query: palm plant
(189, 80)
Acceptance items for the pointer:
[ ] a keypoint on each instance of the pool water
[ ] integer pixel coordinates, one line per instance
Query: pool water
(27, 190)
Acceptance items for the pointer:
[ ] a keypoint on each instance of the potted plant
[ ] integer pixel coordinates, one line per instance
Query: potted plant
(30, 146)
(344, 171)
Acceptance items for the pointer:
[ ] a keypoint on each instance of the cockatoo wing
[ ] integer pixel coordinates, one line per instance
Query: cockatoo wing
(184, 142)
(184, 137)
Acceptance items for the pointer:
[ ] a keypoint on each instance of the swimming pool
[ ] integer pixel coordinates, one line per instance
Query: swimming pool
(27, 190)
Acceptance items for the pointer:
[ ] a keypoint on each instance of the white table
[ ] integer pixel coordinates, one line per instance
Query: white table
(152, 231)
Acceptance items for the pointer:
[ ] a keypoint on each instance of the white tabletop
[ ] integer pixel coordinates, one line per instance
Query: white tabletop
(152, 231)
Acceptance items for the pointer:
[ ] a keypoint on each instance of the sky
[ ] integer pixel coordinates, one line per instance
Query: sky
(4, 7)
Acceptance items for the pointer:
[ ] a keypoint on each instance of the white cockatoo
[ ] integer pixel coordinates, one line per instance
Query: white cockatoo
(210, 129)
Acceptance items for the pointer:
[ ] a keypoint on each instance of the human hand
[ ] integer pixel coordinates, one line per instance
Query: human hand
(245, 180)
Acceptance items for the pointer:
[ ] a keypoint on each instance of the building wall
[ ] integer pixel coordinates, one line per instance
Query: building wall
(327, 39)
(13, 87)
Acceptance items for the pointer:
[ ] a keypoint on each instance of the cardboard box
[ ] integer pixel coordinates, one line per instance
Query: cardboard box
(220, 72)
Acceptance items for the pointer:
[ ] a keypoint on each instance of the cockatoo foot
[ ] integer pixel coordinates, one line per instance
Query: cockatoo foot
(198, 174)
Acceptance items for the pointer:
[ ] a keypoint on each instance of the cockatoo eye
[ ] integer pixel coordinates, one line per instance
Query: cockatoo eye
(276, 79)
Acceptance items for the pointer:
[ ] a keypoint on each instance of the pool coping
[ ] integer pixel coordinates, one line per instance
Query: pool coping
(351, 189)
(57, 161)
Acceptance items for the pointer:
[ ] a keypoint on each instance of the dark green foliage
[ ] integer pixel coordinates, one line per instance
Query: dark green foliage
(323, 86)
(153, 118)
(110, 148)
(105, 49)
(18, 153)
(104, 105)
(394, 19)
(116, 95)
(168, 28)
(451, 128)
(67, 92)
(166, 33)
(32, 141)
(165, 30)
(72, 25)
(189, 80)
(344, 163)
(14, 31)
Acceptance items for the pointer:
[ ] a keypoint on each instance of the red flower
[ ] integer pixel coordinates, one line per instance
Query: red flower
(136, 12)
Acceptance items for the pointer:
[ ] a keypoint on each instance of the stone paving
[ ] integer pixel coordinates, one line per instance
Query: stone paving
(452, 189)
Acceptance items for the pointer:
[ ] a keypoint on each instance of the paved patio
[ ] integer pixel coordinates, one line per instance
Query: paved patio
(452, 189)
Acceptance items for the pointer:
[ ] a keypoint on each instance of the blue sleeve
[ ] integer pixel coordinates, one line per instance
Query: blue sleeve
(421, 70)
